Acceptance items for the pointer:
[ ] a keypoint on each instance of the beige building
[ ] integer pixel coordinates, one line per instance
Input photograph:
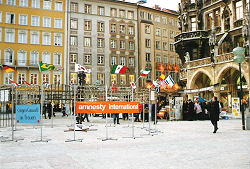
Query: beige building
(32, 32)
(157, 28)
(102, 34)
(211, 29)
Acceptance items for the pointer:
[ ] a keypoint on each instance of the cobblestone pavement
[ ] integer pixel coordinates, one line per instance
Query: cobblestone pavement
(182, 145)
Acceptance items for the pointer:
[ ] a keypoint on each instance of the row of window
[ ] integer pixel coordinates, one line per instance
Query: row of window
(35, 20)
(123, 79)
(159, 32)
(34, 37)
(22, 55)
(46, 4)
(101, 27)
(101, 60)
(216, 16)
(87, 42)
(158, 59)
(33, 78)
(158, 45)
(158, 18)
(74, 7)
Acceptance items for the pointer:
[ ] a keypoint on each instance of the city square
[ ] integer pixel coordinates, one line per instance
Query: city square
(125, 84)
(182, 144)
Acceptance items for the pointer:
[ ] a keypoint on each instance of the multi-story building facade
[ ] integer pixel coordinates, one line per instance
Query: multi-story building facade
(32, 32)
(157, 28)
(102, 34)
(210, 30)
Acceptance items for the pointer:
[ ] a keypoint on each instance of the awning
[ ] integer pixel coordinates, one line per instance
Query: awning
(210, 88)
(222, 38)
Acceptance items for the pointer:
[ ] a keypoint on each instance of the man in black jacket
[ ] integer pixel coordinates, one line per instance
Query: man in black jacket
(191, 113)
(214, 113)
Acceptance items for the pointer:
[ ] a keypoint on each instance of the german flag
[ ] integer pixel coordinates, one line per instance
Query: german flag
(9, 69)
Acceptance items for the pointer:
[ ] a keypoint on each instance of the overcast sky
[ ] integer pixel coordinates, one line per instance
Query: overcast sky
(169, 4)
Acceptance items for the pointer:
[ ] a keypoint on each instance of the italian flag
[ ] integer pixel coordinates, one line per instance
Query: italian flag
(119, 69)
(144, 73)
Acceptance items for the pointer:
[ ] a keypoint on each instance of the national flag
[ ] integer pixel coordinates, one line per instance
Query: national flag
(164, 84)
(119, 69)
(144, 73)
(133, 85)
(13, 82)
(114, 88)
(155, 83)
(9, 69)
(44, 66)
(170, 81)
(26, 82)
(162, 77)
(80, 68)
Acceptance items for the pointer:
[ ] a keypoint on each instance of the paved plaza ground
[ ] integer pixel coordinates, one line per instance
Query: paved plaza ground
(182, 145)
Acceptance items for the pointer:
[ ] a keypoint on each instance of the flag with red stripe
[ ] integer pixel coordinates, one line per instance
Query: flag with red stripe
(13, 82)
(26, 82)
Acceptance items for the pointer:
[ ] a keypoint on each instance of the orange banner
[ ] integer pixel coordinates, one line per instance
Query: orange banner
(107, 107)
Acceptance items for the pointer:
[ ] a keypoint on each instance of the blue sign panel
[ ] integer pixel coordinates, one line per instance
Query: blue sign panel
(26, 114)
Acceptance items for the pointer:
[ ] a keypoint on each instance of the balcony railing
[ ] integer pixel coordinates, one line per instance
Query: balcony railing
(191, 35)
(199, 62)
(238, 23)
(224, 58)
(19, 63)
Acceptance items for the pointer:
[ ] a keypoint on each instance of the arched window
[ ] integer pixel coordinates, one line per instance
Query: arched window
(22, 57)
(46, 58)
(34, 57)
(8, 57)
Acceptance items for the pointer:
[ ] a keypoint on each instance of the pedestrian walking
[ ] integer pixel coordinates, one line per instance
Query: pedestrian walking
(64, 110)
(214, 114)
(116, 118)
(86, 116)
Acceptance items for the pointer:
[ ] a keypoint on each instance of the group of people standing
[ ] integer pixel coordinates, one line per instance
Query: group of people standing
(47, 110)
(202, 111)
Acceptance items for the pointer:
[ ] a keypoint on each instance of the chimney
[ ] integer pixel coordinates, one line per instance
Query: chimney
(157, 7)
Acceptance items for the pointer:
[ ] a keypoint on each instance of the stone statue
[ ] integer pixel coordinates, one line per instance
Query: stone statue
(212, 56)
(180, 22)
(245, 29)
(185, 19)
(199, 19)
(187, 57)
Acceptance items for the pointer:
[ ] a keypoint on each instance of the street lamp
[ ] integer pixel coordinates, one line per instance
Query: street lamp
(239, 57)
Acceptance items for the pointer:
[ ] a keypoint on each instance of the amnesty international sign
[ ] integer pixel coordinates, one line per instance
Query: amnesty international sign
(28, 114)
(107, 107)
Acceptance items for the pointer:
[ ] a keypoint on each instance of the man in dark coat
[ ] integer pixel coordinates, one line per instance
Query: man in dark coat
(191, 113)
(214, 113)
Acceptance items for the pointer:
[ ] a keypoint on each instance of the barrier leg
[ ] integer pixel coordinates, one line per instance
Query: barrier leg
(74, 139)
